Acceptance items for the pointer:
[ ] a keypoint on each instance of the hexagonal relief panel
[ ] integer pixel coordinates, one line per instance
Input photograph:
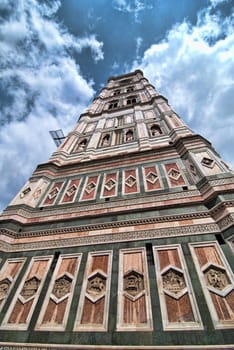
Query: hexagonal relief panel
(174, 174)
(217, 280)
(4, 288)
(174, 282)
(30, 288)
(62, 287)
(133, 284)
(130, 181)
(96, 286)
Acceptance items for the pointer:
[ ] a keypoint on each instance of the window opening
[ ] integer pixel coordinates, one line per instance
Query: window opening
(116, 92)
(131, 100)
(113, 104)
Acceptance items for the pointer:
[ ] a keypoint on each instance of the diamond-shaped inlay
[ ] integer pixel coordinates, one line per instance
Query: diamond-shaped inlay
(110, 184)
(130, 181)
(174, 174)
(90, 187)
(208, 162)
(62, 286)
(53, 193)
(71, 190)
(173, 281)
(30, 288)
(216, 277)
(151, 177)
(25, 192)
(4, 287)
(96, 286)
(37, 194)
(133, 283)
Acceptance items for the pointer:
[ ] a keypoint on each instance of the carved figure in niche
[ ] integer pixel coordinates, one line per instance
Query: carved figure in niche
(62, 286)
(173, 281)
(4, 288)
(133, 283)
(129, 136)
(155, 130)
(216, 278)
(106, 140)
(30, 287)
(96, 284)
(82, 145)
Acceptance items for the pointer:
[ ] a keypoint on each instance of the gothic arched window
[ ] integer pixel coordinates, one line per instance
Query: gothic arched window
(131, 100)
(113, 104)
(116, 92)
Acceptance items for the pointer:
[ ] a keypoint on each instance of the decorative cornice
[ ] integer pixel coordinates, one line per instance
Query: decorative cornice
(37, 346)
(112, 238)
(154, 201)
(104, 225)
(226, 222)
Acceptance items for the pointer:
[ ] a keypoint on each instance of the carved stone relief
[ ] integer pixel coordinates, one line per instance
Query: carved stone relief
(25, 192)
(133, 283)
(4, 288)
(71, 190)
(37, 193)
(216, 277)
(53, 193)
(30, 288)
(90, 187)
(130, 181)
(110, 184)
(62, 286)
(174, 174)
(173, 282)
(151, 177)
(96, 286)
(208, 162)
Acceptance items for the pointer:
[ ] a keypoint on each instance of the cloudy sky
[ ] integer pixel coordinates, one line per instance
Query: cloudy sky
(55, 56)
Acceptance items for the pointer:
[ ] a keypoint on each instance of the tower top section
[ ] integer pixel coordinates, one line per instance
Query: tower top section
(128, 116)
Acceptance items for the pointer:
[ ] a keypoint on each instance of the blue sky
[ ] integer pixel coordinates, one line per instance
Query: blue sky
(55, 56)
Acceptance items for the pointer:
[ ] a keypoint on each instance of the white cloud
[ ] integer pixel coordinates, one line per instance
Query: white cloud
(193, 67)
(41, 85)
(129, 6)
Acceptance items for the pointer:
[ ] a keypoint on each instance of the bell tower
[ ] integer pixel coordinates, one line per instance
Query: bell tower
(124, 238)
